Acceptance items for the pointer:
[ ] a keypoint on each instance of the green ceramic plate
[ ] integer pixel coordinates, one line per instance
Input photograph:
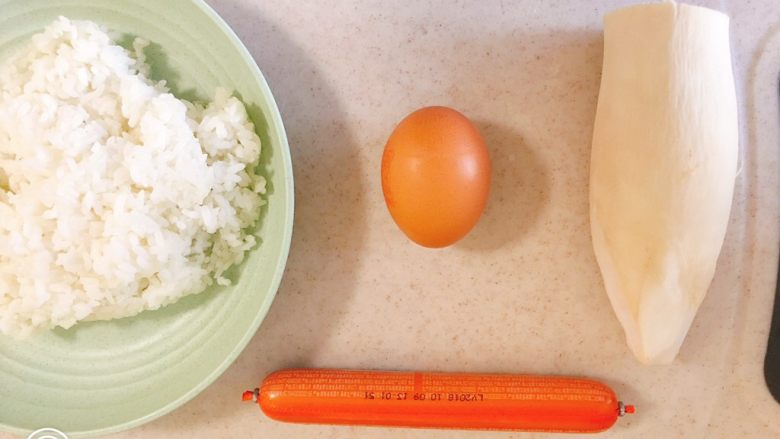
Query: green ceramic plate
(103, 377)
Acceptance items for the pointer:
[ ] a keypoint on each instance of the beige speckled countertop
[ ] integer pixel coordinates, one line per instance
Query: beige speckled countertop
(522, 293)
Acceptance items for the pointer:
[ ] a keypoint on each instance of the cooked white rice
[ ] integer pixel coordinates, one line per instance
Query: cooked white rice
(115, 196)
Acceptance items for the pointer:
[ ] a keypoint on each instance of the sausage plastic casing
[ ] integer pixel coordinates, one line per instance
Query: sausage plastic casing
(439, 400)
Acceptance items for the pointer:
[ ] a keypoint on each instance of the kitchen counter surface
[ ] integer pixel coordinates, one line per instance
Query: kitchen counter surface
(522, 293)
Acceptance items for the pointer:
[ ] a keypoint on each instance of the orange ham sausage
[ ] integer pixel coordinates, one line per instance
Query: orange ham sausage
(439, 400)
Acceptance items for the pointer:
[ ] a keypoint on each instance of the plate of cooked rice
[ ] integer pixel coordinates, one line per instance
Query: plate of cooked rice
(146, 209)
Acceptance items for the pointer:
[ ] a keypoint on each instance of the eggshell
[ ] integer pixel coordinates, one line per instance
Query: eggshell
(436, 176)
